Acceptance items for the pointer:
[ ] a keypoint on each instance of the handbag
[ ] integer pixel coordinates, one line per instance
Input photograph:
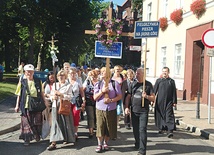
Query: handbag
(45, 124)
(36, 104)
(64, 107)
(78, 100)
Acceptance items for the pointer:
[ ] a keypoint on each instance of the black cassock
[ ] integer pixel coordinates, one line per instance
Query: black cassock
(165, 90)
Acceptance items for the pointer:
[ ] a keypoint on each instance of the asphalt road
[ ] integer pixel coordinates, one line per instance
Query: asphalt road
(183, 142)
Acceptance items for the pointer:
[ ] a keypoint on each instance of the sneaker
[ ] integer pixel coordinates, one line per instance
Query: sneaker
(37, 138)
(139, 153)
(90, 135)
(105, 147)
(170, 135)
(98, 149)
(76, 137)
(51, 147)
(160, 131)
(128, 127)
(136, 146)
(64, 143)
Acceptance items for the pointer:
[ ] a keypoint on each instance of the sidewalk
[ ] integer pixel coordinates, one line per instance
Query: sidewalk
(9, 120)
(185, 117)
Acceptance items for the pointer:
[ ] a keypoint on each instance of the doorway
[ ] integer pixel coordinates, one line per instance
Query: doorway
(198, 69)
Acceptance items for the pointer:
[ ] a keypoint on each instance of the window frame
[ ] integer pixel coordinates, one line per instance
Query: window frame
(177, 62)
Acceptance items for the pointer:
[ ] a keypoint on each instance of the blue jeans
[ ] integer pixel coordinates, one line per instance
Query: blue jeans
(139, 123)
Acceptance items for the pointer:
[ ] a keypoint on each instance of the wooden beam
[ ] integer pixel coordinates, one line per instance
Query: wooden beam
(127, 34)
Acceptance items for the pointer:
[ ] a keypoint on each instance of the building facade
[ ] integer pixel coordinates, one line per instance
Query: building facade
(180, 48)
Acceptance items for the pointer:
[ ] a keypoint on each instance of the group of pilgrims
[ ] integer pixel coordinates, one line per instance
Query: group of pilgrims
(103, 104)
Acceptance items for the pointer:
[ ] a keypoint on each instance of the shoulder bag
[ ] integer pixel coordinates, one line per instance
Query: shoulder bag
(64, 107)
(36, 104)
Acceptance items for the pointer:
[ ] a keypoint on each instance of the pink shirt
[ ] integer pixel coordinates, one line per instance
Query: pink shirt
(100, 105)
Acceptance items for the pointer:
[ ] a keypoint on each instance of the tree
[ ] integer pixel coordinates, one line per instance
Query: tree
(26, 24)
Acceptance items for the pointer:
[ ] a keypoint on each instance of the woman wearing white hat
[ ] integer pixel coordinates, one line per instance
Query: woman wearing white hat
(31, 122)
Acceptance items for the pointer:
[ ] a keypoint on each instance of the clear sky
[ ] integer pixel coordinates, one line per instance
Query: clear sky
(118, 2)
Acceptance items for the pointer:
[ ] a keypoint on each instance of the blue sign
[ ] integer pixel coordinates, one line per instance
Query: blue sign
(115, 51)
(147, 29)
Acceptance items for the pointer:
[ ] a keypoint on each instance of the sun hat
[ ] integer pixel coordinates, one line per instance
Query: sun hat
(29, 67)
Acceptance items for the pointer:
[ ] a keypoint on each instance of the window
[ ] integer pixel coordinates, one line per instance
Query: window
(179, 4)
(177, 64)
(149, 12)
(163, 57)
(165, 6)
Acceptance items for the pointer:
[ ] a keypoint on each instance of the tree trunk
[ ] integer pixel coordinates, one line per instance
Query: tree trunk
(31, 53)
(7, 55)
(38, 68)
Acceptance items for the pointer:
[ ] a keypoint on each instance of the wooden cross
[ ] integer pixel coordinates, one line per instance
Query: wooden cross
(108, 74)
(52, 41)
(127, 34)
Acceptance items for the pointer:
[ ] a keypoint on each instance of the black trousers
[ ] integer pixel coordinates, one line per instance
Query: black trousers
(139, 123)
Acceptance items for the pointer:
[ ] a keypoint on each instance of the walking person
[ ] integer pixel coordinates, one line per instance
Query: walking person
(106, 113)
(166, 99)
(66, 67)
(62, 127)
(139, 114)
(88, 87)
(124, 87)
(77, 90)
(31, 122)
(48, 84)
(117, 76)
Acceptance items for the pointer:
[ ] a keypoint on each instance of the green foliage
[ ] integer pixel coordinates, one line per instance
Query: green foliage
(137, 5)
(25, 25)
(8, 88)
(31, 23)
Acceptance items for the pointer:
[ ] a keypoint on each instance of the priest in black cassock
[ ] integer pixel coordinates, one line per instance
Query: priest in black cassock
(166, 98)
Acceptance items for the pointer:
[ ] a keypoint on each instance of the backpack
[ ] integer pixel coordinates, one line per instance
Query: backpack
(120, 76)
(113, 84)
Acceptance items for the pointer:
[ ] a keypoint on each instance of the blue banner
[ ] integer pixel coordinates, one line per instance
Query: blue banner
(145, 29)
(115, 51)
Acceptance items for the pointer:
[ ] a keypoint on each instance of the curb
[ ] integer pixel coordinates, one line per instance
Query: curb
(10, 129)
(8, 98)
(196, 130)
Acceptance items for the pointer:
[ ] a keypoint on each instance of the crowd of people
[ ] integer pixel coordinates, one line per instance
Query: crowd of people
(104, 100)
